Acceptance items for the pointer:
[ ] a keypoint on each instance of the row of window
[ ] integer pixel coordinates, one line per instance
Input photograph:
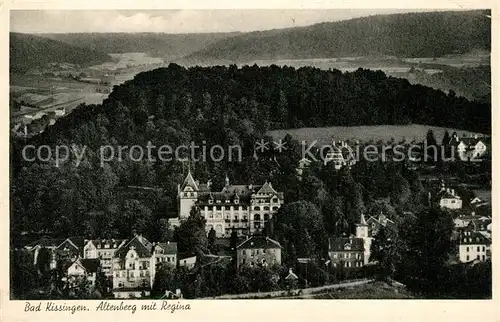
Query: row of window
(164, 259)
(478, 257)
(478, 248)
(347, 255)
(350, 264)
(242, 208)
(256, 251)
(470, 240)
(131, 274)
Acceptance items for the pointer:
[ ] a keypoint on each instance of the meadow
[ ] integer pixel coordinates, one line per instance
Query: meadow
(385, 133)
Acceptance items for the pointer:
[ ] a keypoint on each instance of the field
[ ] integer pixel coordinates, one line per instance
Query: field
(366, 133)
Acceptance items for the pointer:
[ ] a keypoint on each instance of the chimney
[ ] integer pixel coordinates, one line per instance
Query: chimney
(453, 192)
(290, 271)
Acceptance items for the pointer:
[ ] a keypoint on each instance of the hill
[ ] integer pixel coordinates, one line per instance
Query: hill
(429, 34)
(169, 46)
(365, 133)
(28, 51)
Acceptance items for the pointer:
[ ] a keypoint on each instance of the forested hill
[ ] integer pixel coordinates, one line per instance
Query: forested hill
(429, 34)
(223, 106)
(28, 51)
(170, 46)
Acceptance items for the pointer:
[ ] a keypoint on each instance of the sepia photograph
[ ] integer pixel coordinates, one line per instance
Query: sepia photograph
(249, 154)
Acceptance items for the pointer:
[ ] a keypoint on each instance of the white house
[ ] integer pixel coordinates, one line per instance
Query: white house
(474, 246)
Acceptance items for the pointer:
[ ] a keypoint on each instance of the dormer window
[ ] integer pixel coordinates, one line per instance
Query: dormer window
(210, 201)
(218, 201)
(236, 201)
(228, 201)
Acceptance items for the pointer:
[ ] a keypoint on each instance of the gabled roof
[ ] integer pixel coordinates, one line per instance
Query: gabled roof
(168, 248)
(140, 244)
(267, 189)
(91, 265)
(474, 238)
(259, 242)
(101, 243)
(189, 181)
(339, 244)
(46, 242)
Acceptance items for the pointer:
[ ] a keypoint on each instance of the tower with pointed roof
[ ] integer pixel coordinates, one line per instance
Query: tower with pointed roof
(362, 232)
(187, 195)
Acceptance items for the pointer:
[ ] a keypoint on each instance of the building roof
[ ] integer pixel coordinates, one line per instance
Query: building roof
(112, 243)
(474, 238)
(189, 181)
(340, 244)
(168, 248)
(46, 242)
(140, 244)
(260, 242)
(91, 265)
(267, 189)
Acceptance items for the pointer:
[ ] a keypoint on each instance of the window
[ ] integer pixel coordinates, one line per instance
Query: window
(227, 207)
(275, 199)
(218, 207)
(210, 201)
(256, 208)
(467, 257)
(235, 218)
(467, 249)
(484, 257)
(266, 208)
(478, 248)
(335, 255)
(484, 249)
(478, 257)
(131, 274)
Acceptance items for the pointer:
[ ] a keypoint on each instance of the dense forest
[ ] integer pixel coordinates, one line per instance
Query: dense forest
(28, 52)
(175, 106)
(169, 46)
(427, 34)
(471, 82)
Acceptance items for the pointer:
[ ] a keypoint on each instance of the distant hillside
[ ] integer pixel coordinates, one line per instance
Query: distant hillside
(28, 51)
(169, 46)
(429, 34)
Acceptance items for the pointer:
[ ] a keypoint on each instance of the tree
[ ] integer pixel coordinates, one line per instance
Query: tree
(386, 249)
(191, 235)
(164, 280)
(233, 239)
(23, 275)
(432, 148)
(428, 241)
(211, 240)
(300, 224)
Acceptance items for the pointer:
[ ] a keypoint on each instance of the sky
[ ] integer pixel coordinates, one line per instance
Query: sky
(176, 21)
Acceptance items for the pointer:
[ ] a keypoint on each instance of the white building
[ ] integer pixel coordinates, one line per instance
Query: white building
(244, 208)
(474, 246)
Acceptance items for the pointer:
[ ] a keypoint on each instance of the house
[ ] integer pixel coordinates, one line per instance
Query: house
(258, 250)
(474, 246)
(104, 250)
(374, 224)
(346, 251)
(70, 249)
(449, 199)
(133, 269)
(188, 261)
(243, 208)
(49, 244)
(470, 148)
(472, 222)
(84, 268)
(353, 251)
(165, 253)
(341, 154)
(304, 163)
